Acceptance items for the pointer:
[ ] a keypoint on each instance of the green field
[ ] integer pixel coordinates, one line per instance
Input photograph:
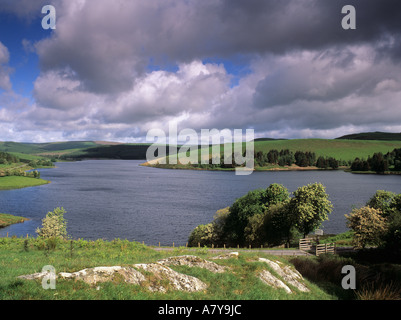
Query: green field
(340, 149)
(346, 150)
(17, 182)
(321, 274)
(27, 256)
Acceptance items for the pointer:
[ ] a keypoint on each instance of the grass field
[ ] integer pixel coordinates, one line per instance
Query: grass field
(339, 149)
(322, 274)
(21, 257)
(346, 150)
(17, 182)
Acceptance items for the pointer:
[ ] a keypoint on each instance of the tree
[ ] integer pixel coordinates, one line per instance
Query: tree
(253, 203)
(53, 225)
(369, 226)
(321, 163)
(310, 207)
(279, 224)
(211, 233)
(378, 163)
(382, 200)
(202, 235)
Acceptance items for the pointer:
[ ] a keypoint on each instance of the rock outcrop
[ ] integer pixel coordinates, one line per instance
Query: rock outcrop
(177, 281)
(193, 261)
(272, 281)
(289, 275)
(159, 277)
(97, 275)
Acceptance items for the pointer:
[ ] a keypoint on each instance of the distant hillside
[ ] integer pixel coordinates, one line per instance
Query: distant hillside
(384, 136)
(120, 151)
(266, 139)
(346, 150)
(29, 151)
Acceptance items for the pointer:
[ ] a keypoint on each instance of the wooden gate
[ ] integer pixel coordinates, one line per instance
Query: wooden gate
(325, 248)
(305, 244)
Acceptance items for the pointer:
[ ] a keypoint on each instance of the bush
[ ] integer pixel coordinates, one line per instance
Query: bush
(53, 225)
(211, 233)
(369, 226)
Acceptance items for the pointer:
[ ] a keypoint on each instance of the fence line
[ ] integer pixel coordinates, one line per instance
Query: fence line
(306, 245)
(325, 248)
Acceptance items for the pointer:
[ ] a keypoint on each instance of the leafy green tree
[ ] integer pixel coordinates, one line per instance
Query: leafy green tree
(274, 194)
(253, 203)
(211, 233)
(309, 207)
(203, 235)
(54, 225)
(279, 224)
(382, 200)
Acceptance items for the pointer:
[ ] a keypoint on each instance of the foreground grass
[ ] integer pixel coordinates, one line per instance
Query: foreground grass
(18, 182)
(26, 256)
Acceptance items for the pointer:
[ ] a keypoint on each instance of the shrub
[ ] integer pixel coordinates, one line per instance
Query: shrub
(203, 235)
(53, 225)
(368, 225)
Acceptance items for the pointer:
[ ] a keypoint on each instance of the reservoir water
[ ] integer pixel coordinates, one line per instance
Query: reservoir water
(109, 199)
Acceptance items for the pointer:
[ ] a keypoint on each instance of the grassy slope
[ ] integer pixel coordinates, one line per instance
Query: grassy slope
(17, 182)
(32, 151)
(339, 149)
(8, 219)
(240, 283)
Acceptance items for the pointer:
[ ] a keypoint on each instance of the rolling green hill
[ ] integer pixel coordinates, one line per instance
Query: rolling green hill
(383, 136)
(341, 149)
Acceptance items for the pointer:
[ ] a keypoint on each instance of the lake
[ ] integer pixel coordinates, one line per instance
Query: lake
(111, 199)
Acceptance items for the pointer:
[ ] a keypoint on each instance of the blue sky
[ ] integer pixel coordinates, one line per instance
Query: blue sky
(113, 70)
(25, 64)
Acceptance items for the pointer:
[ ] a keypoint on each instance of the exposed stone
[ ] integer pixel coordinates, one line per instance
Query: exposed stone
(102, 274)
(289, 275)
(193, 261)
(272, 281)
(178, 280)
(227, 256)
(34, 276)
(159, 277)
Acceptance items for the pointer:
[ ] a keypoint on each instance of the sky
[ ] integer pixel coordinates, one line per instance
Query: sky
(114, 69)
